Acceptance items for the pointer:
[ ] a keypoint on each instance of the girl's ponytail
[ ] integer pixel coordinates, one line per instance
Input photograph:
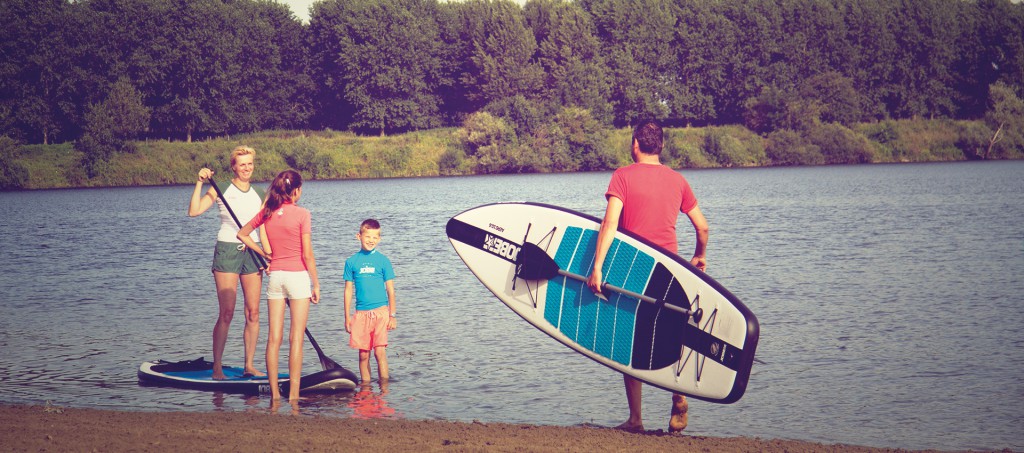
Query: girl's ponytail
(280, 191)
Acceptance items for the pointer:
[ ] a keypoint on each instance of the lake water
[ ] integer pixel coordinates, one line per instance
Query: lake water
(890, 297)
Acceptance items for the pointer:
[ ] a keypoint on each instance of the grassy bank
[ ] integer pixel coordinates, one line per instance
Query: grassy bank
(342, 155)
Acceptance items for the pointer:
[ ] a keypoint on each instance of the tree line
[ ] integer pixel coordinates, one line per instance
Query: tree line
(104, 72)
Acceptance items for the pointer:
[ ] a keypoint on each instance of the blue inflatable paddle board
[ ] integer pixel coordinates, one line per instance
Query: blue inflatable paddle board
(198, 375)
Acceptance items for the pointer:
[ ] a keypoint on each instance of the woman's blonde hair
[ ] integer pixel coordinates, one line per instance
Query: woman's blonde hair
(241, 151)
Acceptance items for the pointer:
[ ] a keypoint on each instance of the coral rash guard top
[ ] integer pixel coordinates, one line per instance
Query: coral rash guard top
(285, 227)
(652, 198)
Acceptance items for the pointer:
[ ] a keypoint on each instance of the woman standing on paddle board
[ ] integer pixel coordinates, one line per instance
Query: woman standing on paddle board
(292, 272)
(231, 262)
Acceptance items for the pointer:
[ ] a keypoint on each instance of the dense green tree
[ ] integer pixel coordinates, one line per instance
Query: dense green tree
(581, 144)
(870, 34)
(1006, 119)
(788, 147)
(12, 174)
(526, 116)
(699, 72)
(204, 66)
(839, 144)
(491, 144)
(111, 124)
(502, 63)
(570, 53)
(386, 61)
(232, 67)
(332, 110)
(638, 39)
(33, 70)
(777, 109)
(276, 88)
(997, 46)
(926, 48)
(839, 102)
(211, 67)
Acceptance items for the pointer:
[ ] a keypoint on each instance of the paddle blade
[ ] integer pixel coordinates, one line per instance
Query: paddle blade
(533, 263)
(325, 361)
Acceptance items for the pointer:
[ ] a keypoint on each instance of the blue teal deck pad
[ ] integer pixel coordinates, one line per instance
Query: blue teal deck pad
(230, 372)
(606, 328)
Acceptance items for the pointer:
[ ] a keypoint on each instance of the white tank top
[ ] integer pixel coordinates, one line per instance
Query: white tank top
(245, 205)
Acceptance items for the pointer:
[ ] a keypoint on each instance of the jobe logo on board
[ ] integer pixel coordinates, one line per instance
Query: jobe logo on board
(501, 247)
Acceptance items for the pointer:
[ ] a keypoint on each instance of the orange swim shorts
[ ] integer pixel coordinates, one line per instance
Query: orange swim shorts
(370, 329)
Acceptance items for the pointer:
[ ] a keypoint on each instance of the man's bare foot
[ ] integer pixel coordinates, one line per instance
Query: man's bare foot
(254, 372)
(218, 374)
(631, 427)
(680, 414)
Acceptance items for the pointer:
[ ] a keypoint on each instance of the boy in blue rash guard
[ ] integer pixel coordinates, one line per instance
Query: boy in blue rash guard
(369, 275)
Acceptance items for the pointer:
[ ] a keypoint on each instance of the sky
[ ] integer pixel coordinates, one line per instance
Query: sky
(300, 8)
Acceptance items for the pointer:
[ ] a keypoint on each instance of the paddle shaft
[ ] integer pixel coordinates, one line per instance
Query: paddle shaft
(325, 361)
(629, 293)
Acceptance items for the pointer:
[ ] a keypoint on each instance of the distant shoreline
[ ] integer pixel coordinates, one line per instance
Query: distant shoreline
(54, 428)
(332, 155)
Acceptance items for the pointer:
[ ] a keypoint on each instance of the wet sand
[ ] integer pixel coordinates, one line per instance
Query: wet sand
(51, 428)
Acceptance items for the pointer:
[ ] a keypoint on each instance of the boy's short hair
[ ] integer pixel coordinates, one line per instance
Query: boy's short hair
(241, 151)
(369, 224)
(649, 136)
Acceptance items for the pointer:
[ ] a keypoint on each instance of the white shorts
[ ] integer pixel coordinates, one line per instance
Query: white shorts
(289, 285)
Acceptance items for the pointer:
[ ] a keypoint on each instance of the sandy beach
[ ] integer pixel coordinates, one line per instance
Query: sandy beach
(51, 428)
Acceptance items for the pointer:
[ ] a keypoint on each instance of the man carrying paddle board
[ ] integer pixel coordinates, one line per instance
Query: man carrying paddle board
(646, 198)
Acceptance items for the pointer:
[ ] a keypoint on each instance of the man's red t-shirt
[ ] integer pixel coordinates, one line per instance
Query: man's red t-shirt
(652, 198)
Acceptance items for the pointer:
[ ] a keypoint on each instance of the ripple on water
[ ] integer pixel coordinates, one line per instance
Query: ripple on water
(883, 319)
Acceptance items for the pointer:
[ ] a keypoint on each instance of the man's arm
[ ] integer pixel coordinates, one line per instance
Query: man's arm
(700, 228)
(605, 236)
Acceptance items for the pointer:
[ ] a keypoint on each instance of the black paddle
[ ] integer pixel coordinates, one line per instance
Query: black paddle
(325, 361)
(533, 263)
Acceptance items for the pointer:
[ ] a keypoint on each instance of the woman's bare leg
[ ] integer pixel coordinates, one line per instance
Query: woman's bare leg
(227, 293)
(252, 285)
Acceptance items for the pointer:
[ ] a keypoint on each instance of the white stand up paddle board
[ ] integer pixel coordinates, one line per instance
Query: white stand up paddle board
(664, 322)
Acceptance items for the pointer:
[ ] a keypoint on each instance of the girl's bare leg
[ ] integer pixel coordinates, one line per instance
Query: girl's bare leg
(227, 292)
(275, 315)
(296, 340)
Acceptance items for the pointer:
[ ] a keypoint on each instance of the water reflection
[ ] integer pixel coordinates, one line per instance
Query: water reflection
(368, 402)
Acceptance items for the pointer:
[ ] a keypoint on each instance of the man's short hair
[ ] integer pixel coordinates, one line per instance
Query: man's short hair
(649, 136)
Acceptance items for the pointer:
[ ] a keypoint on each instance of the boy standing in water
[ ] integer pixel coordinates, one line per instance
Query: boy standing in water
(369, 275)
